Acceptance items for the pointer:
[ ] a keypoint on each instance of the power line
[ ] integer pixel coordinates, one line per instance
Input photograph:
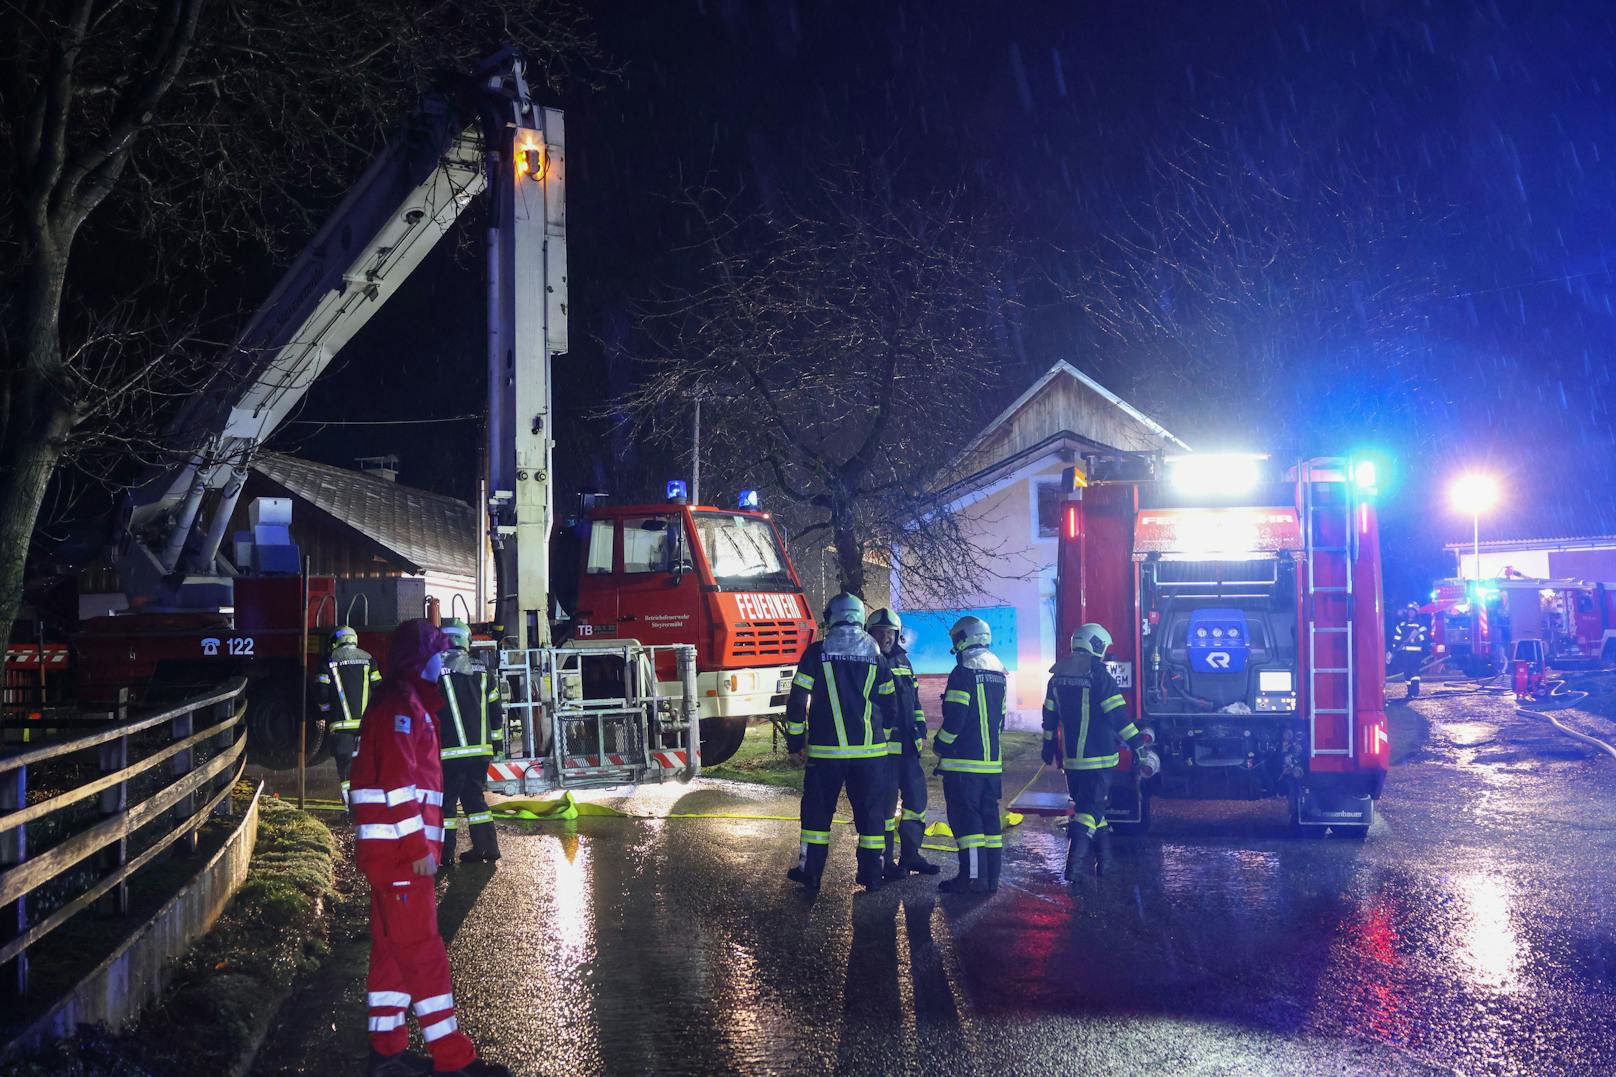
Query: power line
(380, 422)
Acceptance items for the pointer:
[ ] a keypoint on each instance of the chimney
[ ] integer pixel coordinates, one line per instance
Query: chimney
(381, 467)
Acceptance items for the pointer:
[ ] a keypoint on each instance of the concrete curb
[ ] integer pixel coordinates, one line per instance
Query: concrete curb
(116, 991)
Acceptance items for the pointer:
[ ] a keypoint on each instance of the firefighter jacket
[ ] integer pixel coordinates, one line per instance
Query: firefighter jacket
(909, 735)
(840, 682)
(1085, 706)
(346, 681)
(471, 722)
(396, 795)
(973, 714)
(1409, 636)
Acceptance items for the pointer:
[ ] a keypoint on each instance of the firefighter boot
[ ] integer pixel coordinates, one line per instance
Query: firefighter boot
(995, 860)
(403, 1064)
(446, 857)
(1077, 850)
(870, 862)
(911, 835)
(892, 870)
(1102, 850)
(969, 880)
(1413, 686)
(484, 845)
(809, 867)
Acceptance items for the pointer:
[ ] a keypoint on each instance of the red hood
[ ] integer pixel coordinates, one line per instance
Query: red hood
(412, 644)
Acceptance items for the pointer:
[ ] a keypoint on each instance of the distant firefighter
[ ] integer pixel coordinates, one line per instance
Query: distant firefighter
(345, 685)
(969, 757)
(1408, 647)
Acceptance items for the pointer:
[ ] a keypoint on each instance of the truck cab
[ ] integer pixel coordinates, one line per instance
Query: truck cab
(718, 578)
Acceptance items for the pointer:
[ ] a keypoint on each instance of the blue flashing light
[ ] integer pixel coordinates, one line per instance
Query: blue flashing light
(1366, 475)
(748, 499)
(678, 490)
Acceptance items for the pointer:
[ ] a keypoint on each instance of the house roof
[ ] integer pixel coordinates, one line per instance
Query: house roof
(430, 532)
(1063, 368)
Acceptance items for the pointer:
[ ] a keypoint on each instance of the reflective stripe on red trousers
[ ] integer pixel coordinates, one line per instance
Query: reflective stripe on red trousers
(410, 968)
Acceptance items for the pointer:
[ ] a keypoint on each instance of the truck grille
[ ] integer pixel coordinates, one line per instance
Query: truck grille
(769, 639)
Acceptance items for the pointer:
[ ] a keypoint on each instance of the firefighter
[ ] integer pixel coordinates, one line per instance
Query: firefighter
(968, 756)
(1084, 711)
(905, 741)
(843, 700)
(345, 684)
(397, 799)
(1408, 647)
(471, 729)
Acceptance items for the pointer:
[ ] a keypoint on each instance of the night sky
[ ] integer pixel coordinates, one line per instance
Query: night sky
(1421, 198)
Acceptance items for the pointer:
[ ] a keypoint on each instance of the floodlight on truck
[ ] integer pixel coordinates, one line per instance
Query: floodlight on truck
(1215, 473)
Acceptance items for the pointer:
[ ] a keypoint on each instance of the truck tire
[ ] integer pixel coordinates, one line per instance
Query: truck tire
(721, 739)
(272, 713)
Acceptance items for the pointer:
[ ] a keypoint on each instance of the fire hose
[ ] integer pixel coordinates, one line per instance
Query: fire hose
(1564, 699)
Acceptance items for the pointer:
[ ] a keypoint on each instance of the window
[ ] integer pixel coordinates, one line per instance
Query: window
(600, 547)
(742, 552)
(1047, 502)
(647, 543)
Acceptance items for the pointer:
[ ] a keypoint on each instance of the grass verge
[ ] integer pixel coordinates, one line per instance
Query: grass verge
(226, 987)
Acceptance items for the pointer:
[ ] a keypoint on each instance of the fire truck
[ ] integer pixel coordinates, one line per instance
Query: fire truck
(1476, 622)
(689, 620)
(1245, 604)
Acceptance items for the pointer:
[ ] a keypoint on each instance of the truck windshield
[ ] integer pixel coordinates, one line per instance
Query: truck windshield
(743, 552)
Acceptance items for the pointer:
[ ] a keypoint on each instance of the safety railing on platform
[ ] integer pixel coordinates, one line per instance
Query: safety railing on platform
(188, 789)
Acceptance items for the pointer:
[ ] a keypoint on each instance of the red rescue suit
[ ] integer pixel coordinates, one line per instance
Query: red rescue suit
(396, 798)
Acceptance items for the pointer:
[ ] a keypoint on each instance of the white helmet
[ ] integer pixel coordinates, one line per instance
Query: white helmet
(345, 637)
(970, 632)
(1091, 639)
(844, 609)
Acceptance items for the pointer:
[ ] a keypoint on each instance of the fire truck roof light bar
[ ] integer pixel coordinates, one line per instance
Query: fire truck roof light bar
(1215, 473)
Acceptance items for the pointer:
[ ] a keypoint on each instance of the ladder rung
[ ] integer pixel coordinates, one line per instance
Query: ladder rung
(1329, 549)
(1339, 630)
(1318, 671)
(1331, 710)
(1329, 590)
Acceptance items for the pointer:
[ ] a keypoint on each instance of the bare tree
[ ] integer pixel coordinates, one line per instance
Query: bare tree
(171, 135)
(846, 343)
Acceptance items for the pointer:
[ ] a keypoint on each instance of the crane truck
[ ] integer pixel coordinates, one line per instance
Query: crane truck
(1245, 603)
(692, 617)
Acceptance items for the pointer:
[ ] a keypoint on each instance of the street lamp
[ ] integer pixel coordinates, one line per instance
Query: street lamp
(1475, 493)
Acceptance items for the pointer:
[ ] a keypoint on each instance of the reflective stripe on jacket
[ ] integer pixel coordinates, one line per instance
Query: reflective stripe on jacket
(346, 681)
(471, 722)
(909, 735)
(973, 715)
(396, 784)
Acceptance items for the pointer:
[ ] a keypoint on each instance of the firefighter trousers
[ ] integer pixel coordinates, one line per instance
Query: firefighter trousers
(906, 780)
(344, 746)
(822, 781)
(1090, 791)
(972, 801)
(465, 781)
(409, 967)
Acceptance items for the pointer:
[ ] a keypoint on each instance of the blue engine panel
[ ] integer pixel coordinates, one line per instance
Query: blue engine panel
(1218, 641)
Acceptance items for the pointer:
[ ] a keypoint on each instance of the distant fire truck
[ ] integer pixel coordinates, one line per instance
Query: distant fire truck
(687, 620)
(1475, 623)
(1246, 612)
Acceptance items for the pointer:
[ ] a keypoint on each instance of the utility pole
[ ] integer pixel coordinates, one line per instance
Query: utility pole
(695, 454)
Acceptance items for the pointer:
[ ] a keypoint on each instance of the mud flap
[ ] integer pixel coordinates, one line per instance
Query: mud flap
(1314, 811)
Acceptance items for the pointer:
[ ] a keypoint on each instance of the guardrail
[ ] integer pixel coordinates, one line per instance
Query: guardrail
(192, 790)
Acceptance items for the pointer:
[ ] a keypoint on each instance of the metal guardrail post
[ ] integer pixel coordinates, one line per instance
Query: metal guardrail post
(13, 851)
(115, 801)
(178, 767)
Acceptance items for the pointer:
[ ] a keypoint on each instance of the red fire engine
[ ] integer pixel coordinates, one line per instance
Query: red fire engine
(1246, 612)
(1477, 622)
(688, 621)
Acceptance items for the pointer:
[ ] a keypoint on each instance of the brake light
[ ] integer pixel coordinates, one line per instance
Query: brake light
(1071, 521)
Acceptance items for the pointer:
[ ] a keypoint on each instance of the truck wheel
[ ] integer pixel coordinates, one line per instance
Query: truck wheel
(721, 739)
(272, 712)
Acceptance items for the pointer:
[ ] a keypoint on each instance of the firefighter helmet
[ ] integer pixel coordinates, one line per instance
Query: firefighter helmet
(844, 609)
(884, 618)
(458, 632)
(1091, 639)
(345, 637)
(970, 632)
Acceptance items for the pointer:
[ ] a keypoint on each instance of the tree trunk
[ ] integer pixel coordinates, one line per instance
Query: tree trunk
(22, 489)
(849, 554)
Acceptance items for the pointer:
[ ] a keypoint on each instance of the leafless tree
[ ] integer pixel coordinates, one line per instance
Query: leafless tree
(171, 137)
(845, 344)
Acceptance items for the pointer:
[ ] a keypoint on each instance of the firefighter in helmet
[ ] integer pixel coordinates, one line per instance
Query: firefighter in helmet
(904, 744)
(969, 759)
(471, 728)
(1408, 647)
(1085, 714)
(345, 685)
(843, 700)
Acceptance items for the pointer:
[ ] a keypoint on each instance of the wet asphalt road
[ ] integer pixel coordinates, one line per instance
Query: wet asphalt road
(1474, 932)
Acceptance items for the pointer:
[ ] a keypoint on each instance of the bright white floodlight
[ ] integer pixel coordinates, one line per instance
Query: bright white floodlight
(1474, 493)
(1216, 473)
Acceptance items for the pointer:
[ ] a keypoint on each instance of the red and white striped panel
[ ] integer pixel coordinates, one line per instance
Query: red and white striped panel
(506, 772)
(54, 655)
(670, 760)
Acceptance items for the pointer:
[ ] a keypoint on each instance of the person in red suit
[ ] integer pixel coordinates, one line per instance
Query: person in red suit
(396, 800)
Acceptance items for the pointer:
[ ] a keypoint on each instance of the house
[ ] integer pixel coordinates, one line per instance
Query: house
(1004, 489)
